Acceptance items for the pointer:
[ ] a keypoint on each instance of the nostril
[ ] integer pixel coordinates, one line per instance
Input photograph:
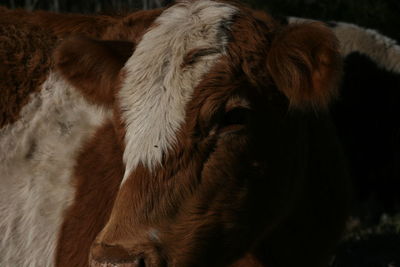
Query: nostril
(141, 262)
(108, 264)
(140, 255)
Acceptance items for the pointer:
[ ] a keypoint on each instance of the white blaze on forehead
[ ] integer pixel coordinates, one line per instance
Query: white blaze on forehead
(157, 88)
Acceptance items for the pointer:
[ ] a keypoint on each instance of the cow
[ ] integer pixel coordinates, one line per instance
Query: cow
(365, 116)
(184, 136)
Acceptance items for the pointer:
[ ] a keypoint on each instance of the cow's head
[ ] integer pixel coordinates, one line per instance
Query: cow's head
(213, 158)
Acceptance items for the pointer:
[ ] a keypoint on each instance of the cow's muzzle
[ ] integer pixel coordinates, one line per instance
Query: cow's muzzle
(105, 255)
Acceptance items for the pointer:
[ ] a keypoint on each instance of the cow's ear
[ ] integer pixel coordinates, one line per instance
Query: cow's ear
(305, 64)
(93, 66)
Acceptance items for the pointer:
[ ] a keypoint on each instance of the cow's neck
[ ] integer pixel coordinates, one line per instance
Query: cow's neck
(98, 174)
(38, 153)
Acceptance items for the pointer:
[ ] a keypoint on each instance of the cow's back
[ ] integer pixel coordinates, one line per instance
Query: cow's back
(24, 63)
(62, 25)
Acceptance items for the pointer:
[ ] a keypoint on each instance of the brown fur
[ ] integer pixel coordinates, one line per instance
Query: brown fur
(24, 64)
(132, 26)
(102, 59)
(98, 174)
(27, 40)
(99, 65)
(119, 27)
(63, 25)
(305, 64)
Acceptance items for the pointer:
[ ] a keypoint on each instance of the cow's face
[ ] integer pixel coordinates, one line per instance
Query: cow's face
(212, 157)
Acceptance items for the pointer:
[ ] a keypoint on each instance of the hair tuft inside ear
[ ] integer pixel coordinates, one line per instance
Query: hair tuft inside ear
(305, 64)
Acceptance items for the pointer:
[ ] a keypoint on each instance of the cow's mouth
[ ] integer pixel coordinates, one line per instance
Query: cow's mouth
(138, 263)
(144, 255)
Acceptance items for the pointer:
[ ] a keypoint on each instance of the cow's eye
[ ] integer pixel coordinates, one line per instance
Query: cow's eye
(237, 116)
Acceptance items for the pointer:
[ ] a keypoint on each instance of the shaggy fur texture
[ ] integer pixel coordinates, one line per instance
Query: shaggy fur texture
(37, 160)
(24, 64)
(62, 25)
(26, 47)
(43, 123)
(157, 87)
(305, 78)
(98, 174)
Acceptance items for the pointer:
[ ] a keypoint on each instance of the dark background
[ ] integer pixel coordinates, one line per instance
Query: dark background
(383, 15)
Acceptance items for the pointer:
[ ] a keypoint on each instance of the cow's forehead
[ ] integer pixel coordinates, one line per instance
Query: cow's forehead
(157, 83)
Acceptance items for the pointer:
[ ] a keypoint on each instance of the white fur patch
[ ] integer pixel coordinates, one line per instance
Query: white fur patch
(381, 49)
(156, 90)
(37, 157)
